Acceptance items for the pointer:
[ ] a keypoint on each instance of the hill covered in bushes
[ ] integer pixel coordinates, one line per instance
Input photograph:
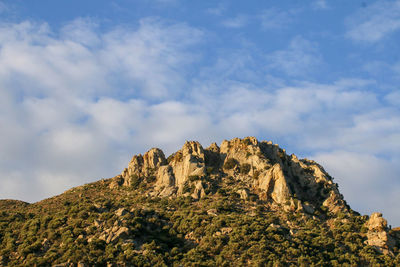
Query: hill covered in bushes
(245, 202)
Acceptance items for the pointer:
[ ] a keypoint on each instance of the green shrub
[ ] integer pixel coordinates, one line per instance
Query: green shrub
(256, 174)
(230, 163)
(247, 142)
(151, 179)
(170, 158)
(134, 181)
(193, 178)
(245, 168)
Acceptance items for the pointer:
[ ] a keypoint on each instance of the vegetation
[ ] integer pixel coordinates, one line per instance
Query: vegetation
(245, 168)
(230, 164)
(219, 230)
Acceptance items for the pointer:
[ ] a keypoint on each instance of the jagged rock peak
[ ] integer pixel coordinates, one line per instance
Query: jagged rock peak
(262, 168)
(193, 148)
(143, 165)
(151, 159)
(213, 147)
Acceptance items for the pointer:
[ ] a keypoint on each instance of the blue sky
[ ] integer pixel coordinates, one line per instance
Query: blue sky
(84, 85)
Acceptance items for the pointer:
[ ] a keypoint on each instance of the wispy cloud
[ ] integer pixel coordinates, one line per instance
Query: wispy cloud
(374, 22)
(274, 18)
(301, 57)
(217, 10)
(236, 22)
(320, 4)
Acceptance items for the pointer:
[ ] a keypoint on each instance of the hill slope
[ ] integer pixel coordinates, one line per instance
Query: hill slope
(245, 203)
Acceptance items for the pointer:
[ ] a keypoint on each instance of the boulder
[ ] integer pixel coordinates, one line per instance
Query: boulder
(244, 193)
(198, 190)
(122, 232)
(121, 212)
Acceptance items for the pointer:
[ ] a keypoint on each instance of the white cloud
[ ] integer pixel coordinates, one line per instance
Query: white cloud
(273, 18)
(300, 58)
(82, 30)
(269, 19)
(369, 183)
(393, 98)
(236, 22)
(320, 4)
(147, 57)
(73, 100)
(217, 10)
(374, 22)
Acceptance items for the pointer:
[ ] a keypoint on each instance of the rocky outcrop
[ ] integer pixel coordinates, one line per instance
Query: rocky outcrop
(117, 181)
(274, 184)
(143, 166)
(189, 161)
(121, 212)
(199, 191)
(263, 167)
(378, 235)
(243, 193)
(115, 233)
(165, 181)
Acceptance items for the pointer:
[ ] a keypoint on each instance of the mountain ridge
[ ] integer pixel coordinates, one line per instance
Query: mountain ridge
(245, 202)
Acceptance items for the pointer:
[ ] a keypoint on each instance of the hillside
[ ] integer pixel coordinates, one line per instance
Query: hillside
(245, 202)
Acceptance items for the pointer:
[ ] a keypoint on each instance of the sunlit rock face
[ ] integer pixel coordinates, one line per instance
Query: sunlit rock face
(257, 168)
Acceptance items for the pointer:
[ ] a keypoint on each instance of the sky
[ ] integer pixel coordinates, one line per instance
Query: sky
(85, 85)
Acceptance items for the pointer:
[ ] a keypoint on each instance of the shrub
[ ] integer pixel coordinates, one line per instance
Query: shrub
(134, 180)
(151, 179)
(256, 174)
(247, 142)
(170, 158)
(193, 178)
(186, 188)
(245, 168)
(230, 164)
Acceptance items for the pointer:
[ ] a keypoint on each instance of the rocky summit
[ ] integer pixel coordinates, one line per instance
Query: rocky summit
(245, 202)
(260, 170)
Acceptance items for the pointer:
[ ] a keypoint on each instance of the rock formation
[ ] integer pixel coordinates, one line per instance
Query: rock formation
(261, 169)
(378, 235)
